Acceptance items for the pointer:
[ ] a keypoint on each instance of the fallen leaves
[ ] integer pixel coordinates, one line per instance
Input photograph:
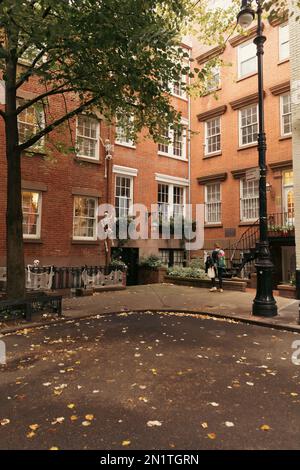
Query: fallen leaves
(4, 421)
(59, 420)
(126, 443)
(212, 435)
(265, 427)
(153, 423)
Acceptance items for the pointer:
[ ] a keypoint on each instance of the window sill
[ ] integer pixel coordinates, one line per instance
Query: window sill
(39, 152)
(245, 147)
(32, 240)
(87, 160)
(283, 61)
(85, 242)
(130, 146)
(285, 137)
(211, 92)
(183, 98)
(161, 154)
(213, 225)
(211, 155)
(246, 76)
(248, 223)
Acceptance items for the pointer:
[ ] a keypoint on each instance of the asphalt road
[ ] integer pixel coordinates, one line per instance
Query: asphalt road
(150, 381)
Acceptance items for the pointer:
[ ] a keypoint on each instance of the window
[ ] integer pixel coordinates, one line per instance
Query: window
(214, 79)
(30, 122)
(286, 114)
(171, 200)
(288, 197)
(87, 137)
(284, 45)
(123, 130)
(249, 200)
(213, 203)
(172, 257)
(84, 222)
(213, 136)
(31, 207)
(248, 125)
(163, 147)
(176, 147)
(247, 59)
(123, 195)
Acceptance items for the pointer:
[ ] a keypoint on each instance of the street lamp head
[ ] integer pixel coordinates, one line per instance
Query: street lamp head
(246, 14)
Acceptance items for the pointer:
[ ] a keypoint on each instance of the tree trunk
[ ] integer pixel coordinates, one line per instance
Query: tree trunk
(14, 229)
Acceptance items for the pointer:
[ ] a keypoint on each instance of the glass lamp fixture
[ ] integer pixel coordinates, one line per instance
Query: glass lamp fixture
(246, 14)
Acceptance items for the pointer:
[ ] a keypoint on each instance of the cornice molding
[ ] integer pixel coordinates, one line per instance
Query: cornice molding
(212, 113)
(240, 173)
(276, 21)
(34, 186)
(281, 88)
(211, 54)
(280, 165)
(211, 178)
(245, 101)
(240, 38)
(86, 192)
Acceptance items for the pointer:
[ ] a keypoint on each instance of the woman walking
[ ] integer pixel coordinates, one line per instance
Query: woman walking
(219, 265)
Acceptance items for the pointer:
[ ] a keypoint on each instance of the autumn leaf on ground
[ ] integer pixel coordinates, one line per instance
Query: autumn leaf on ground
(153, 423)
(144, 399)
(204, 425)
(229, 424)
(34, 427)
(154, 371)
(58, 420)
(213, 403)
(4, 421)
(30, 434)
(54, 448)
(126, 443)
(73, 418)
(86, 423)
(265, 427)
(212, 435)
(89, 417)
(71, 406)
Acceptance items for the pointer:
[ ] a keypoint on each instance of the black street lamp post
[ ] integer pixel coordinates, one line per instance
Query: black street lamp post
(264, 304)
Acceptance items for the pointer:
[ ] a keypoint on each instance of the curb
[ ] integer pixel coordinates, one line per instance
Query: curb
(237, 318)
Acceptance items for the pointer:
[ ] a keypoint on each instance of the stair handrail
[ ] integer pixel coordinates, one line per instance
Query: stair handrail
(244, 234)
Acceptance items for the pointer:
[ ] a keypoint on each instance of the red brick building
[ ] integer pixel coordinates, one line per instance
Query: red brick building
(225, 148)
(66, 176)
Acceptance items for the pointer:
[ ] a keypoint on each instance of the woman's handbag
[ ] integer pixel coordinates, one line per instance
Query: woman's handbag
(211, 272)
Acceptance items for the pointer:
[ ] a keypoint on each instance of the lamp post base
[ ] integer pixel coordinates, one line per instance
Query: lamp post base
(264, 304)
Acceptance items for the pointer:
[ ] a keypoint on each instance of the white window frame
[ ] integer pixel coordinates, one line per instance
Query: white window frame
(284, 134)
(211, 84)
(78, 237)
(37, 235)
(283, 42)
(206, 145)
(239, 61)
(170, 145)
(243, 218)
(185, 80)
(39, 116)
(124, 143)
(217, 203)
(170, 203)
(130, 178)
(240, 126)
(97, 138)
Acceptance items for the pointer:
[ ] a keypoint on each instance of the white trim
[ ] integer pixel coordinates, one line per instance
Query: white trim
(206, 152)
(37, 235)
(125, 144)
(130, 177)
(161, 178)
(97, 139)
(206, 204)
(282, 133)
(240, 125)
(125, 170)
(280, 42)
(239, 49)
(77, 237)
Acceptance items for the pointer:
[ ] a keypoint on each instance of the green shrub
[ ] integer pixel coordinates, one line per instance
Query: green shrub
(151, 261)
(193, 272)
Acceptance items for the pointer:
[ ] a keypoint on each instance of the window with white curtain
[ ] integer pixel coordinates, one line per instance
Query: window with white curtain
(213, 203)
(249, 199)
(87, 137)
(248, 125)
(284, 42)
(286, 114)
(247, 59)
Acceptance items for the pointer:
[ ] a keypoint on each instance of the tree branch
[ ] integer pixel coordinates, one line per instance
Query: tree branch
(52, 92)
(55, 124)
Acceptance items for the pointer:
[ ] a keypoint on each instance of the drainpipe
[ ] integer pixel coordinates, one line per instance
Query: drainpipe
(189, 154)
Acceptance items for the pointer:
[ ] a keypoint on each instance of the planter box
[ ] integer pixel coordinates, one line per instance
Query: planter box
(151, 275)
(286, 290)
(237, 285)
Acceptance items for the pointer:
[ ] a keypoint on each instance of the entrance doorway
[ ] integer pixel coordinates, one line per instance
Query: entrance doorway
(288, 198)
(129, 256)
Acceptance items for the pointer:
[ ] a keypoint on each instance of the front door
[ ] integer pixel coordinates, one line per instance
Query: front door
(130, 256)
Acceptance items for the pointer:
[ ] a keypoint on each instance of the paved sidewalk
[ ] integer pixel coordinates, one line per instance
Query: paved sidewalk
(159, 297)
